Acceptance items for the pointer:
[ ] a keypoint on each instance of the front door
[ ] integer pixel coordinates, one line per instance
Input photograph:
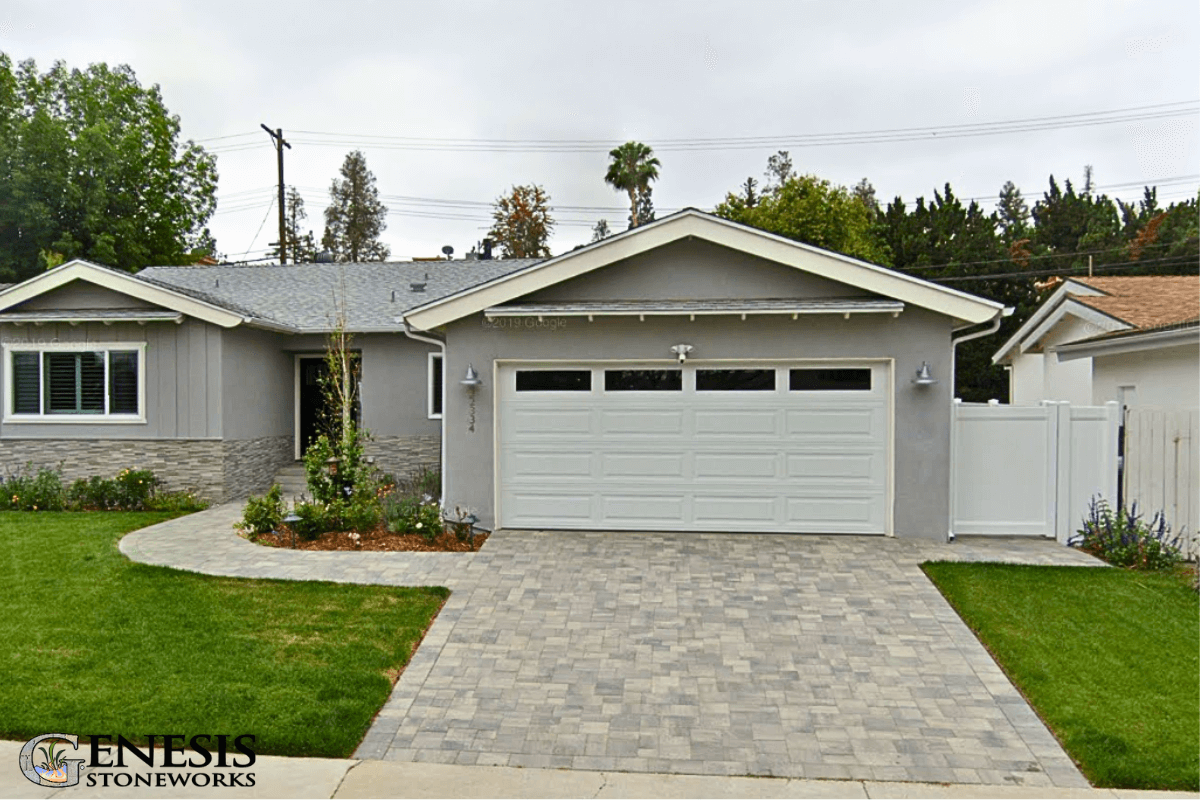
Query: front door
(315, 414)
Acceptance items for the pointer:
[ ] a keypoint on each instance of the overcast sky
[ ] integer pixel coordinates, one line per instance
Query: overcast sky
(399, 79)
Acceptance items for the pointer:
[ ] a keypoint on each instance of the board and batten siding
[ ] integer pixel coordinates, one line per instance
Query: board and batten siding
(182, 379)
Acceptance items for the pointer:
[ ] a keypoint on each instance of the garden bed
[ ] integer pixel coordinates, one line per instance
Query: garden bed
(379, 539)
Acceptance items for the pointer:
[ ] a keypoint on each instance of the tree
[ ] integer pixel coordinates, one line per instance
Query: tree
(750, 193)
(600, 231)
(1012, 213)
(645, 209)
(301, 247)
(812, 210)
(779, 169)
(92, 166)
(631, 170)
(355, 217)
(522, 222)
(864, 192)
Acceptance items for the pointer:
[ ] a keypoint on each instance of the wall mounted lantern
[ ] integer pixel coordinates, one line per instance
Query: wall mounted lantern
(924, 375)
(471, 381)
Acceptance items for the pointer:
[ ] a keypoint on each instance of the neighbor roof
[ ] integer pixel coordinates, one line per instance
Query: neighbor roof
(1116, 305)
(1146, 301)
(303, 295)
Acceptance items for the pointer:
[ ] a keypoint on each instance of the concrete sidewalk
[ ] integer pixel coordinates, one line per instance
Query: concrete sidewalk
(276, 777)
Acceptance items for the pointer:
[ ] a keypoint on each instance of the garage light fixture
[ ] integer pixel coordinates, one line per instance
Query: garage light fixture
(924, 375)
(681, 351)
(471, 381)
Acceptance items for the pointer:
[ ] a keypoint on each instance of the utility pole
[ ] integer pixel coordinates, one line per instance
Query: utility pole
(280, 143)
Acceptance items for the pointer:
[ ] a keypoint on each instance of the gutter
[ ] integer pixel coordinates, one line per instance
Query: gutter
(1130, 342)
(428, 338)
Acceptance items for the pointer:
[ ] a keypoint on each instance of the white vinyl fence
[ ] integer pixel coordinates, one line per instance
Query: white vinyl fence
(1161, 471)
(1030, 470)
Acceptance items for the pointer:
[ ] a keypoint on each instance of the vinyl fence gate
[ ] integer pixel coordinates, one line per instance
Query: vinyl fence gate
(1160, 471)
(1030, 470)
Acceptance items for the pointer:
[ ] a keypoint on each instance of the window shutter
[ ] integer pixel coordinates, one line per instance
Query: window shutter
(123, 383)
(74, 383)
(25, 368)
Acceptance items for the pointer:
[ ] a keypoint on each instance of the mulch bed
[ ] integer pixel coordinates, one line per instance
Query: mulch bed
(380, 539)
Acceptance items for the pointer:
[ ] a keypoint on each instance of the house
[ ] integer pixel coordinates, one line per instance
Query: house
(1135, 340)
(692, 374)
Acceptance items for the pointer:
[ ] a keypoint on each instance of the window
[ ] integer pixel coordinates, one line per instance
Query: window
(436, 382)
(554, 380)
(830, 380)
(75, 383)
(643, 380)
(735, 380)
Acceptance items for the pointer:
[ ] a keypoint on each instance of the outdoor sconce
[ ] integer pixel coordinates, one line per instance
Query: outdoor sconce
(681, 351)
(471, 381)
(924, 376)
(290, 520)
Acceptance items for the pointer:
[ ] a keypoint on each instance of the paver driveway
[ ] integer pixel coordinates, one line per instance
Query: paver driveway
(804, 656)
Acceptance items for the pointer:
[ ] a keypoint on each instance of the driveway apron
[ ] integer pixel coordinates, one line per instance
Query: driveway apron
(719, 654)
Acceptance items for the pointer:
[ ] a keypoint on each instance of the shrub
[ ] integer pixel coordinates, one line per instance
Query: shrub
(1124, 539)
(315, 519)
(405, 515)
(423, 481)
(28, 491)
(263, 514)
(181, 501)
(354, 473)
(130, 490)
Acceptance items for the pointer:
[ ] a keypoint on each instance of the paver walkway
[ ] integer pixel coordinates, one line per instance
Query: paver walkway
(796, 656)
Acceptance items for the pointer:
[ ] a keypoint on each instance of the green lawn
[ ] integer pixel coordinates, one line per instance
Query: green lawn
(92, 643)
(1107, 657)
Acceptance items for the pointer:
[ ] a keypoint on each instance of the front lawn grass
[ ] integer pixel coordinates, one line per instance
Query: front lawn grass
(1107, 657)
(93, 643)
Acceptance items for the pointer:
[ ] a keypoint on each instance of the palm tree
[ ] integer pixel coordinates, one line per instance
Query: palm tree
(632, 168)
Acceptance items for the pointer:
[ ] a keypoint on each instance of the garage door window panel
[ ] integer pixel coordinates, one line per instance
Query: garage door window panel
(643, 380)
(829, 380)
(556, 380)
(735, 380)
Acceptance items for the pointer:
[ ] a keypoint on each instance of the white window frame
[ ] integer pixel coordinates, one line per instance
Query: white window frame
(106, 418)
(430, 388)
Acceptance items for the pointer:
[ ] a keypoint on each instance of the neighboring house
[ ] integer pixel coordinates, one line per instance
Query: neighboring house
(691, 374)
(1135, 340)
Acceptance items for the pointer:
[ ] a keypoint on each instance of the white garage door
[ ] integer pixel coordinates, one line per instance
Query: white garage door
(799, 447)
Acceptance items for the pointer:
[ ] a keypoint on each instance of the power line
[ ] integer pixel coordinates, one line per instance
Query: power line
(260, 227)
(877, 136)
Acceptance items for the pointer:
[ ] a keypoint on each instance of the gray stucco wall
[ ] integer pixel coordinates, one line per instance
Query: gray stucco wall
(693, 270)
(183, 380)
(922, 416)
(258, 382)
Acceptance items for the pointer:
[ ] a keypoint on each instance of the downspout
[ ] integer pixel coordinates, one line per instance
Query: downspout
(954, 343)
(441, 343)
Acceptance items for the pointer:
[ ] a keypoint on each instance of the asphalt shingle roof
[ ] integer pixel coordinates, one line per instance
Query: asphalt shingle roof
(305, 295)
(1145, 301)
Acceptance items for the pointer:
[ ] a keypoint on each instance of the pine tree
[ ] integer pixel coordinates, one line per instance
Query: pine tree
(600, 231)
(355, 217)
(1012, 213)
(301, 247)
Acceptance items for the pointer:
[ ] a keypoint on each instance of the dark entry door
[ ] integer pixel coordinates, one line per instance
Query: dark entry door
(315, 414)
(312, 401)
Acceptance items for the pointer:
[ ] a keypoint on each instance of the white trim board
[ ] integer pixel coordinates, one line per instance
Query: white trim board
(117, 282)
(690, 223)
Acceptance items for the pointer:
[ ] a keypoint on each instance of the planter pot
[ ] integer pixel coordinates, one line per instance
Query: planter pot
(53, 776)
